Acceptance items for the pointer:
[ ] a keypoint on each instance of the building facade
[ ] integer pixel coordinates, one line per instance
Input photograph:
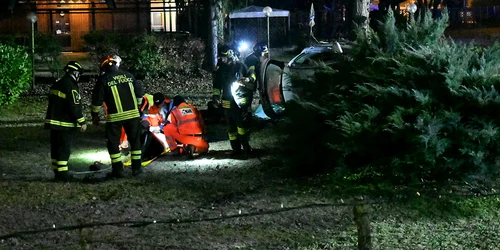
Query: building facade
(69, 20)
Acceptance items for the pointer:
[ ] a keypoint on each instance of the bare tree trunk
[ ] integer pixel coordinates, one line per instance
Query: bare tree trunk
(212, 38)
(362, 220)
(219, 15)
(357, 16)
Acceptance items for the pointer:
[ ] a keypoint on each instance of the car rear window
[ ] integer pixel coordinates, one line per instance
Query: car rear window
(315, 57)
(302, 58)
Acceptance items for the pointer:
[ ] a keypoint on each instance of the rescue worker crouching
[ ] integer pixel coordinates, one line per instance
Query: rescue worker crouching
(185, 125)
(64, 116)
(234, 84)
(122, 95)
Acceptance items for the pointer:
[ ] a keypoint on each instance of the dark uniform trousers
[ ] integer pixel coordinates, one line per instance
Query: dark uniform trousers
(60, 148)
(238, 120)
(133, 130)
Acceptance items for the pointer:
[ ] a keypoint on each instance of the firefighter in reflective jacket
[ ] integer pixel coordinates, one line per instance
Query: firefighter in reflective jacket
(147, 103)
(254, 60)
(64, 116)
(122, 95)
(185, 125)
(235, 84)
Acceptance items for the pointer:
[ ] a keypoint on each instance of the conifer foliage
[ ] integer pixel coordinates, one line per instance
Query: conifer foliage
(405, 104)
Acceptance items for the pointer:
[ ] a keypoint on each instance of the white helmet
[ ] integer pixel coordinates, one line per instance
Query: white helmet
(118, 60)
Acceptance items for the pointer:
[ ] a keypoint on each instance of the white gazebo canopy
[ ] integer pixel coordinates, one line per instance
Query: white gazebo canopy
(253, 11)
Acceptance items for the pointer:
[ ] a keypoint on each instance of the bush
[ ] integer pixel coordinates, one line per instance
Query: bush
(15, 73)
(407, 105)
(150, 54)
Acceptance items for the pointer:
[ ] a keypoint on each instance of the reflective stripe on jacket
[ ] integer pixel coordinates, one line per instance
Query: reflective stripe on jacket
(147, 102)
(225, 75)
(121, 93)
(65, 108)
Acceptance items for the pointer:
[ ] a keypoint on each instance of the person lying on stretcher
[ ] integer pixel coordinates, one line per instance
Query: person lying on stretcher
(172, 127)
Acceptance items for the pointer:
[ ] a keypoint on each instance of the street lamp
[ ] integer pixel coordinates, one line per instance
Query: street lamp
(33, 18)
(412, 8)
(267, 12)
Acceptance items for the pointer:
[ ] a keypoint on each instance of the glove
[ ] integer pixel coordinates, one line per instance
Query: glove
(84, 127)
(245, 82)
(95, 118)
(141, 111)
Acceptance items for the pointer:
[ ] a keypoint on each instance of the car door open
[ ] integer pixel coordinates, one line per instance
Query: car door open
(270, 89)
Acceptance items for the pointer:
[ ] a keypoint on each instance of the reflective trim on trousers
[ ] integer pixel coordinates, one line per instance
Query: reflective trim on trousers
(226, 104)
(135, 154)
(233, 136)
(116, 158)
(242, 131)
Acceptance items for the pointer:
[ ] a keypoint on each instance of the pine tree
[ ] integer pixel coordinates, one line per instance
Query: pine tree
(406, 104)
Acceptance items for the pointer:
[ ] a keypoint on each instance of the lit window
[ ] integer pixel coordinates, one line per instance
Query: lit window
(163, 16)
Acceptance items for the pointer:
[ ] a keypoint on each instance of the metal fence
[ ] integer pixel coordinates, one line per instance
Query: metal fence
(255, 30)
(333, 25)
(477, 17)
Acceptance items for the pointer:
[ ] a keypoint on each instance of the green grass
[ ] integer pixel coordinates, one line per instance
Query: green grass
(432, 219)
(26, 109)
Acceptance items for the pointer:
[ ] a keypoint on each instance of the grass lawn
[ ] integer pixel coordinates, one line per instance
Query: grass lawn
(215, 203)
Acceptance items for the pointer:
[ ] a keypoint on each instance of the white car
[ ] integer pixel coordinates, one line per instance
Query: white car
(304, 65)
(277, 88)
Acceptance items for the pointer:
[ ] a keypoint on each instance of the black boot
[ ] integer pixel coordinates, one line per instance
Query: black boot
(136, 167)
(236, 147)
(247, 149)
(62, 176)
(190, 150)
(136, 171)
(117, 170)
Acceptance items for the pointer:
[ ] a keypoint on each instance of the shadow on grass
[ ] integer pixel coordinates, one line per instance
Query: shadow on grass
(144, 223)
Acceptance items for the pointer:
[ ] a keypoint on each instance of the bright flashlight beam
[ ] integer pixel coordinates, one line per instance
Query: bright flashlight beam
(243, 46)
(93, 155)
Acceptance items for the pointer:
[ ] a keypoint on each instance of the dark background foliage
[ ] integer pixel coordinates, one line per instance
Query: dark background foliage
(404, 105)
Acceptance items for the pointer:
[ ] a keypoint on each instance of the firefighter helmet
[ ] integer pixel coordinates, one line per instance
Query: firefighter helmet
(110, 61)
(73, 66)
(260, 47)
(226, 51)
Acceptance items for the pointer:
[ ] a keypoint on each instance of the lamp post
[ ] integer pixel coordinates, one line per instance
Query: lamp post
(33, 18)
(412, 8)
(267, 12)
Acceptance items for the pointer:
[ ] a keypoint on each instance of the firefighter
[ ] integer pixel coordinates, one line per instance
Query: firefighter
(234, 84)
(123, 96)
(64, 117)
(254, 60)
(185, 125)
(147, 103)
